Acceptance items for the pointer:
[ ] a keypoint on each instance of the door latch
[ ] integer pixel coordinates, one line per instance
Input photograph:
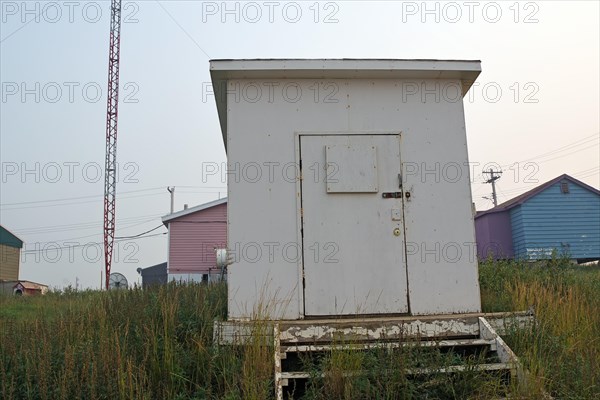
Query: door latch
(391, 195)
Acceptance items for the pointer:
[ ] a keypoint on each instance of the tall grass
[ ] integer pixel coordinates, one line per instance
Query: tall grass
(152, 344)
(386, 374)
(157, 344)
(562, 350)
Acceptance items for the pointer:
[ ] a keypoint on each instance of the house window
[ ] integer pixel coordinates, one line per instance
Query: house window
(564, 187)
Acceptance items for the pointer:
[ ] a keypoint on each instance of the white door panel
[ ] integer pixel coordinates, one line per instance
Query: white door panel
(353, 235)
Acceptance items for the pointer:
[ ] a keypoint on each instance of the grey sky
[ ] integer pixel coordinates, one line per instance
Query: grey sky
(542, 56)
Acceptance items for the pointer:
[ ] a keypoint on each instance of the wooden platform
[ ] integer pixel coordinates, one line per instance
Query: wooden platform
(293, 339)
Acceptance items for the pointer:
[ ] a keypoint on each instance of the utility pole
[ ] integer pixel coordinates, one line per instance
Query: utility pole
(492, 180)
(172, 191)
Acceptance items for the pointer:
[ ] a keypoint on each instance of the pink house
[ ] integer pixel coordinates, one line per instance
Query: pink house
(194, 234)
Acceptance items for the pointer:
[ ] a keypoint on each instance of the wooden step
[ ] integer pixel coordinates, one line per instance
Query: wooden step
(389, 345)
(413, 371)
(436, 332)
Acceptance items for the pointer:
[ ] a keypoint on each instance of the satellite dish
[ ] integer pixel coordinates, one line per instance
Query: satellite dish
(117, 281)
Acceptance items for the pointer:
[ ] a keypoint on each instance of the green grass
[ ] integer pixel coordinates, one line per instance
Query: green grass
(386, 376)
(157, 344)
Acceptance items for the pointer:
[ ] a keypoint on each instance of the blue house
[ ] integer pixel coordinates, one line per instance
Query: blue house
(561, 215)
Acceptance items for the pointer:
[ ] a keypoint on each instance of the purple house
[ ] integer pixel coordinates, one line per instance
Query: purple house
(194, 234)
(561, 215)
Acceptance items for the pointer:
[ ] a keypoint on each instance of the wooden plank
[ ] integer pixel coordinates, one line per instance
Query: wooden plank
(414, 371)
(505, 354)
(508, 322)
(389, 345)
(278, 374)
(381, 319)
(373, 330)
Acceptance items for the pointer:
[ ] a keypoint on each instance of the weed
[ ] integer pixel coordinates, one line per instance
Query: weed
(157, 344)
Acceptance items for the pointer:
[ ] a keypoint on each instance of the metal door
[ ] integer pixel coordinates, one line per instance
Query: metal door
(352, 225)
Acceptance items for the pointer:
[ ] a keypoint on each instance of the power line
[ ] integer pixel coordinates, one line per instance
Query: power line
(75, 198)
(567, 147)
(86, 244)
(90, 201)
(203, 187)
(589, 174)
(102, 196)
(520, 189)
(97, 234)
(568, 154)
(82, 226)
(138, 235)
(586, 170)
(75, 203)
(201, 222)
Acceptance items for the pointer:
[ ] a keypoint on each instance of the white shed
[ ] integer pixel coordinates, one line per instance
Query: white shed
(348, 186)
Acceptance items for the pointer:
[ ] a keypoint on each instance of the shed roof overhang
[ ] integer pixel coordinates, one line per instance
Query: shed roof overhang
(221, 71)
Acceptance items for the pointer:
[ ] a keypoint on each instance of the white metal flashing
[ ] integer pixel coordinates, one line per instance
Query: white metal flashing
(344, 68)
(223, 70)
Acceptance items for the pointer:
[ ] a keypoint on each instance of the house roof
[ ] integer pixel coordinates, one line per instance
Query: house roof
(507, 205)
(154, 269)
(170, 217)
(9, 239)
(223, 70)
(31, 285)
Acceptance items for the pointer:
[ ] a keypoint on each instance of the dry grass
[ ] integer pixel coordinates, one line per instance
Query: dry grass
(157, 344)
(562, 350)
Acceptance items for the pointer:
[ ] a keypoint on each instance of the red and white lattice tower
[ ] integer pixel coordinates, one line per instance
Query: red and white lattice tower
(112, 106)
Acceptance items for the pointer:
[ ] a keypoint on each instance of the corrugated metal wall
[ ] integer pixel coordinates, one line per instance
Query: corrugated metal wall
(567, 222)
(193, 237)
